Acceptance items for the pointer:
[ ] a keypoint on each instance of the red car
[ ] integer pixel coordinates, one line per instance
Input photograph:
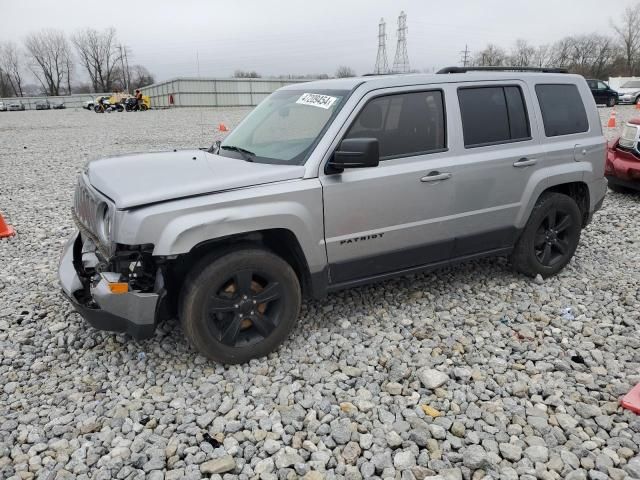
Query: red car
(622, 167)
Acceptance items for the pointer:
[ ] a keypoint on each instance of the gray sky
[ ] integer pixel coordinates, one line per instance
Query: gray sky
(298, 36)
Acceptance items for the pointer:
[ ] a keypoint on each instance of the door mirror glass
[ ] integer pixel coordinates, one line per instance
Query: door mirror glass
(356, 153)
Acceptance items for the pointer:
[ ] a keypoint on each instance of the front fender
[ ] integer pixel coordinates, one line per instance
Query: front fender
(176, 227)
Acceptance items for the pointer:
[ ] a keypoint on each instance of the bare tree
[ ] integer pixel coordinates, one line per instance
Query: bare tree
(140, 77)
(50, 56)
(541, 56)
(522, 54)
(561, 52)
(99, 55)
(491, 56)
(11, 65)
(344, 72)
(247, 74)
(629, 36)
(5, 87)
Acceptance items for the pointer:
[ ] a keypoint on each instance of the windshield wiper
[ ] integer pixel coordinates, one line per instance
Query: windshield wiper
(246, 154)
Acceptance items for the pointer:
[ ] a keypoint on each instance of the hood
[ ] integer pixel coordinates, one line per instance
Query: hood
(627, 90)
(134, 180)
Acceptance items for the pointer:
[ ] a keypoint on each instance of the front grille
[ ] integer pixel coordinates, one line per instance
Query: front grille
(86, 207)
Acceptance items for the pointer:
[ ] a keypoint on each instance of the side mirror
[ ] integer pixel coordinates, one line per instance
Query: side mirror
(355, 153)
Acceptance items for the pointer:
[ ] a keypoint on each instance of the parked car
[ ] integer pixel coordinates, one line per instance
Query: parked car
(43, 105)
(13, 107)
(3, 107)
(629, 92)
(332, 184)
(58, 105)
(622, 167)
(603, 93)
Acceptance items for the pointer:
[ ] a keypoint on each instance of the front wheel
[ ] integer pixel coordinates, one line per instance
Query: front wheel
(120, 108)
(98, 109)
(240, 305)
(143, 108)
(550, 237)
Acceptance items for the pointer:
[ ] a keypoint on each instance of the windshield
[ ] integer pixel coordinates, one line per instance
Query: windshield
(631, 84)
(285, 127)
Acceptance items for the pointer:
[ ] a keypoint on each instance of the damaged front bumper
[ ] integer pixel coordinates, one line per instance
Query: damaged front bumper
(132, 312)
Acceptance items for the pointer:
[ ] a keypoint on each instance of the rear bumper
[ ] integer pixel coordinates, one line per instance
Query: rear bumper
(133, 312)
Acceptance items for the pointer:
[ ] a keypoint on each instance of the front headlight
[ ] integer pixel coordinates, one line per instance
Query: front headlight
(104, 224)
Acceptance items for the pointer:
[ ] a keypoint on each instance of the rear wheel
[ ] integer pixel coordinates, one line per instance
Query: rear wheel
(143, 107)
(240, 306)
(98, 109)
(611, 102)
(550, 237)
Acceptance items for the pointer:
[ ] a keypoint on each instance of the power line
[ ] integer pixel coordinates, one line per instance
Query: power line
(382, 66)
(401, 61)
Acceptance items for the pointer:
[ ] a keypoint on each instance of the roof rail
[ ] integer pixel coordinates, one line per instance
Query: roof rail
(502, 69)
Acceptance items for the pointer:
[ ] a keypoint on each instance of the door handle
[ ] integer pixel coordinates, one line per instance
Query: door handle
(436, 177)
(525, 162)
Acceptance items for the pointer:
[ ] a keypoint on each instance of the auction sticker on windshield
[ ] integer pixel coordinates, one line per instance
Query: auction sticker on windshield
(316, 100)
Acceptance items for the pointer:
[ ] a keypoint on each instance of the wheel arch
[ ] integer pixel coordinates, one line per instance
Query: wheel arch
(280, 241)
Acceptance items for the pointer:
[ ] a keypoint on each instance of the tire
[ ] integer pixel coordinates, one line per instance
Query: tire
(221, 312)
(143, 108)
(128, 108)
(120, 108)
(611, 102)
(98, 109)
(546, 246)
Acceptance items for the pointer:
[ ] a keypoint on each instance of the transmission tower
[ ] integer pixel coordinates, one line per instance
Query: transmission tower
(401, 61)
(464, 56)
(381, 61)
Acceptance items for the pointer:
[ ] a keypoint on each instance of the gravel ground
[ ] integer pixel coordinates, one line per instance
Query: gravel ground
(466, 373)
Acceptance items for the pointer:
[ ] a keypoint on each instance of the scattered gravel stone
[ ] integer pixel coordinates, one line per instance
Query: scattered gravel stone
(219, 465)
(510, 452)
(537, 453)
(432, 378)
(475, 457)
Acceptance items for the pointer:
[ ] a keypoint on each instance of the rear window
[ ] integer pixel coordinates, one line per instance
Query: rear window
(562, 109)
(492, 115)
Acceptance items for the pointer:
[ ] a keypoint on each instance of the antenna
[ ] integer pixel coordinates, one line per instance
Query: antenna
(401, 61)
(382, 66)
(465, 56)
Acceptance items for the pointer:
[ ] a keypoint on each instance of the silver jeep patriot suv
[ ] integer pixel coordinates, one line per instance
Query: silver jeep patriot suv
(330, 184)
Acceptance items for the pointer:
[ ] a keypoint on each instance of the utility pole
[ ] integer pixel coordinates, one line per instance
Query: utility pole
(125, 68)
(465, 56)
(382, 66)
(401, 60)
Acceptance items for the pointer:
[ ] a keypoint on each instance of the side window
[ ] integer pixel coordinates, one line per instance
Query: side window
(593, 85)
(562, 109)
(492, 115)
(405, 123)
(602, 86)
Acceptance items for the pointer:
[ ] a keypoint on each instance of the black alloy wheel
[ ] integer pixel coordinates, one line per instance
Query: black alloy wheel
(239, 304)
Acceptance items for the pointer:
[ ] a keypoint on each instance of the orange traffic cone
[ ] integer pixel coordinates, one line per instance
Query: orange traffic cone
(612, 120)
(6, 230)
(222, 128)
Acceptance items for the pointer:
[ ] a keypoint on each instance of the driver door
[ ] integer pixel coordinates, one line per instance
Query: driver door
(389, 218)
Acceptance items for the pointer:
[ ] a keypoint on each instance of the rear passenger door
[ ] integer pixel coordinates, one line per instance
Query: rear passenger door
(496, 153)
(569, 137)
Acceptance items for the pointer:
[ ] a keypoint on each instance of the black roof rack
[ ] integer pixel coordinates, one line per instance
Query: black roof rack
(502, 69)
